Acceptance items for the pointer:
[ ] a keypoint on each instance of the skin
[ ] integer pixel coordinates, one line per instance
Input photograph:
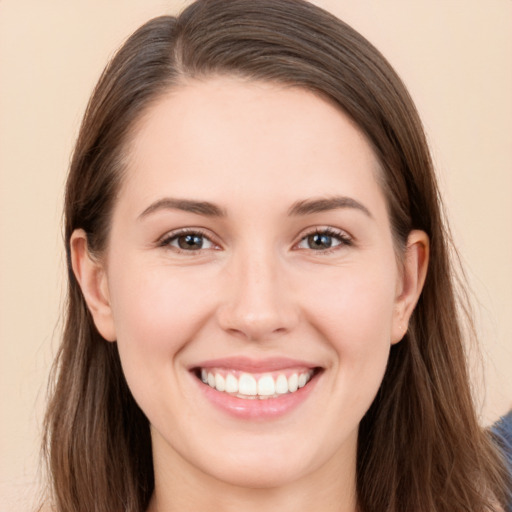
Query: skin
(256, 288)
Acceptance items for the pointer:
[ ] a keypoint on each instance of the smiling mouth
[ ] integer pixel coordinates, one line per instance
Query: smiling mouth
(251, 386)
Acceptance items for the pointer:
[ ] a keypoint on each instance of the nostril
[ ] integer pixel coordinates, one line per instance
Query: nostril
(251, 326)
(257, 304)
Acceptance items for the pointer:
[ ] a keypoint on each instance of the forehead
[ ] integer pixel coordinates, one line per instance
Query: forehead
(223, 135)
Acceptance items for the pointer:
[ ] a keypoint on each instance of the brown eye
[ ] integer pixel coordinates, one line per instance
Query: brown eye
(319, 241)
(188, 241)
(323, 240)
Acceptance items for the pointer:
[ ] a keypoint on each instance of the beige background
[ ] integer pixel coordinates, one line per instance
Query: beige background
(456, 58)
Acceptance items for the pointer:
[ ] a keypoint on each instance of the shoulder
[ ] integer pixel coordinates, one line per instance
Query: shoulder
(502, 431)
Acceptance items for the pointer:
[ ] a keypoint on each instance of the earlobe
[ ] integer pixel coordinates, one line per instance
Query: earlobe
(92, 278)
(413, 277)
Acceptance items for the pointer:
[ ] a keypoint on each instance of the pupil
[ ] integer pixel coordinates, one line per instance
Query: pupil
(319, 241)
(190, 242)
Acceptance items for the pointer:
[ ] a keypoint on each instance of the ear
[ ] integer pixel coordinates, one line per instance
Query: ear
(92, 278)
(411, 282)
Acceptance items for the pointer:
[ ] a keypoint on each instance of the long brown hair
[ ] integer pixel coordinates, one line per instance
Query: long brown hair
(420, 447)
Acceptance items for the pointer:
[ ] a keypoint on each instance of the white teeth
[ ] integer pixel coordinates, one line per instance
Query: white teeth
(220, 383)
(293, 382)
(266, 386)
(247, 386)
(231, 384)
(281, 385)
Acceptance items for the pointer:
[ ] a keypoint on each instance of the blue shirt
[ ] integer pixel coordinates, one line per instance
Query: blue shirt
(502, 429)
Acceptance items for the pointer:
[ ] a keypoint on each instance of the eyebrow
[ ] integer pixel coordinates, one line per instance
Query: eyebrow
(310, 206)
(187, 205)
(299, 208)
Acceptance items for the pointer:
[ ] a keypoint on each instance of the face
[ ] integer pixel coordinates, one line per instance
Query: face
(251, 281)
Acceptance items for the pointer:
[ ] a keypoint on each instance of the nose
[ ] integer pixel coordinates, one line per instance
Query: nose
(258, 302)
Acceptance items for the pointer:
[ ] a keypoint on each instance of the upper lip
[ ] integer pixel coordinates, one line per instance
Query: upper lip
(247, 364)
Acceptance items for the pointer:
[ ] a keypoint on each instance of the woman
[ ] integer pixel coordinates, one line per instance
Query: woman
(261, 306)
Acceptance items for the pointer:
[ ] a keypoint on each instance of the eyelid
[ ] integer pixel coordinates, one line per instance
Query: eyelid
(341, 235)
(164, 241)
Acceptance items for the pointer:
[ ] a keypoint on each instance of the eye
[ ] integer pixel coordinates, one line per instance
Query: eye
(188, 241)
(324, 239)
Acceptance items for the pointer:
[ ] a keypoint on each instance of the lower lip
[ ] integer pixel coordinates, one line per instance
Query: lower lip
(257, 409)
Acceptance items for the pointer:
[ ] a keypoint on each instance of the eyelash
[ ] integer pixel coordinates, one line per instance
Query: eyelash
(167, 240)
(343, 239)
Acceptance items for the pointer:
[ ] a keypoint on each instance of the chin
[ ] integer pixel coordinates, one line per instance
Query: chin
(260, 473)
(265, 461)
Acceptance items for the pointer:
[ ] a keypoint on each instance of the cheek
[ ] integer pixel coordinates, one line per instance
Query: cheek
(155, 305)
(353, 312)
(353, 305)
(156, 313)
